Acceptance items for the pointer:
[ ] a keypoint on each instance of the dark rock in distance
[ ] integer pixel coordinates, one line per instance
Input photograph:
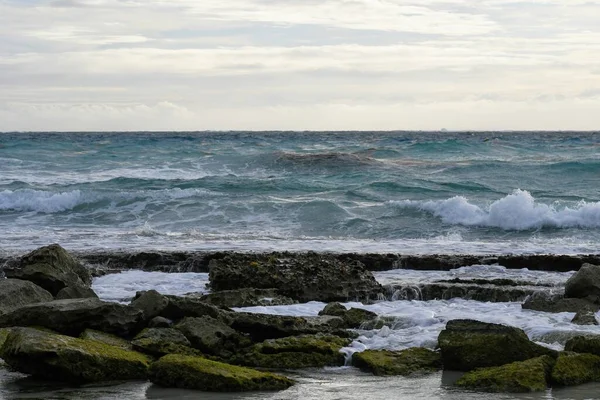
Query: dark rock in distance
(468, 344)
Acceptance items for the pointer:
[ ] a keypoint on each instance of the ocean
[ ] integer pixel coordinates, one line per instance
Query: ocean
(403, 192)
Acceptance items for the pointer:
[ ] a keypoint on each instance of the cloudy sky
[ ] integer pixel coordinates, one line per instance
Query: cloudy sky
(299, 64)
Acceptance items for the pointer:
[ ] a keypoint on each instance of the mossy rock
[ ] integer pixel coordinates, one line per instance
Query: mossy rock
(212, 336)
(355, 317)
(518, 377)
(575, 368)
(162, 341)
(584, 344)
(296, 352)
(469, 344)
(334, 309)
(63, 358)
(106, 338)
(3, 335)
(198, 373)
(413, 361)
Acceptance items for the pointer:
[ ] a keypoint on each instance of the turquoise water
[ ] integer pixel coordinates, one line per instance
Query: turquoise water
(350, 191)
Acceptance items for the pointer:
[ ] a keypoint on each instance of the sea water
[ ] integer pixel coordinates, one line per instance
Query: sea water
(407, 192)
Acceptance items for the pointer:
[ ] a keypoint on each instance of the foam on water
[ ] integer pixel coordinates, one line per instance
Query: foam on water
(517, 211)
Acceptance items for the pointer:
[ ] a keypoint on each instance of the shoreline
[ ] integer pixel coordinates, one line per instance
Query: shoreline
(103, 262)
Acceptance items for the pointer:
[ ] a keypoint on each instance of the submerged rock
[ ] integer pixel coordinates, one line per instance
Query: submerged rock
(575, 368)
(15, 293)
(469, 344)
(295, 352)
(202, 374)
(56, 357)
(308, 277)
(517, 377)
(584, 283)
(585, 317)
(52, 268)
(409, 362)
(71, 317)
(246, 297)
(162, 341)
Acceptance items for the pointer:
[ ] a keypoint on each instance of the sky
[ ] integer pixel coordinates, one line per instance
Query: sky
(106, 65)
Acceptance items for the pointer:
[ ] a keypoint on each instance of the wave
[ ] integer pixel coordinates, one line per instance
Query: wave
(517, 211)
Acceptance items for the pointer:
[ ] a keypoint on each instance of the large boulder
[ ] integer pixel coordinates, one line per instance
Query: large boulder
(76, 292)
(584, 344)
(150, 302)
(56, 357)
(468, 344)
(574, 369)
(162, 341)
(15, 293)
(518, 377)
(555, 303)
(50, 267)
(211, 336)
(71, 317)
(295, 352)
(199, 373)
(301, 277)
(246, 297)
(409, 362)
(585, 283)
(106, 338)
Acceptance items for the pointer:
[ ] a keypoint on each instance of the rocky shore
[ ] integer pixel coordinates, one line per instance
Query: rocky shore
(53, 326)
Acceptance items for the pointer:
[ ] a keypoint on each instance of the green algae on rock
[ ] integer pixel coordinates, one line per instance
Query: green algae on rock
(584, 344)
(162, 341)
(517, 377)
(3, 335)
(56, 357)
(106, 338)
(296, 352)
(201, 374)
(575, 368)
(470, 344)
(413, 361)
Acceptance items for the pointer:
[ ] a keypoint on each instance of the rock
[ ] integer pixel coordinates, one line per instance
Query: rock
(584, 283)
(76, 292)
(518, 377)
(574, 369)
(201, 374)
(304, 278)
(355, 317)
(71, 317)
(3, 335)
(469, 344)
(150, 302)
(162, 341)
(334, 309)
(540, 301)
(584, 344)
(15, 293)
(295, 352)
(327, 323)
(211, 336)
(246, 297)
(52, 268)
(56, 357)
(180, 307)
(106, 338)
(585, 317)
(160, 322)
(409, 362)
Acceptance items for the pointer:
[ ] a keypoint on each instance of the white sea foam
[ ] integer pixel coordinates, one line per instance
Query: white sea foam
(517, 211)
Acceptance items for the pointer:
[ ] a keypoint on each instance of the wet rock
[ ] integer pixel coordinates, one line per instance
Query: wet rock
(150, 302)
(76, 292)
(355, 317)
(327, 323)
(584, 344)
(469, 344)
(575, 369)
(15, 293)
(201, 374)
(556, 303)
(334, 309)
(162, 341)
(160, 322)
(409, 362)
(295, 352)
(56, 357)
(106, 338)
(180, 307)
(52, 268)
(71, 317)
(584, 283)
(3, 335)
(246, 297)
(518, 377)
(211, 336)
(309, 277)
(585, 317)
